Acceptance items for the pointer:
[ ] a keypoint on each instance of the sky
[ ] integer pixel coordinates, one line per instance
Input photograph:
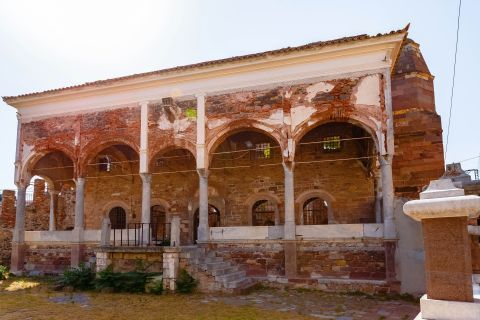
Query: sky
(49, 44)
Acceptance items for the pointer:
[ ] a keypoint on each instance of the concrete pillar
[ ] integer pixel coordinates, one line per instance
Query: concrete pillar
(18, 240)
(53, 207)
(106, 231)
(378, 197)
(175, 231)
(146, 204)
(444, 210)
(387, 197)
(203, 227)
(289, 202)
(77, 246)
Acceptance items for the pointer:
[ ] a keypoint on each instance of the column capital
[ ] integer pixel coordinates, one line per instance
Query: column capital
(53, 192)
(200, 95)
(203, 173)
(288, 165)
(143, 102)
(146, 177)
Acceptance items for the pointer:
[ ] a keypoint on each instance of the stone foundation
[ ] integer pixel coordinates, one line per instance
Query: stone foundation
(130, 259)
(47, 258)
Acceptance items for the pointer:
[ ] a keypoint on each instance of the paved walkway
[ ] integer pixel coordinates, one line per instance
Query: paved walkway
(323, 305)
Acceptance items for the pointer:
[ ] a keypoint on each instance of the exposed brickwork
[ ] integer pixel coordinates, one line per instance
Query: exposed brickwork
(256, 258)
(51, 258)
(7, 215)
(354, 259)
(418, 131)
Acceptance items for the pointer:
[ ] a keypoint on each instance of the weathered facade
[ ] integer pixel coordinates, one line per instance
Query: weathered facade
(286, 162)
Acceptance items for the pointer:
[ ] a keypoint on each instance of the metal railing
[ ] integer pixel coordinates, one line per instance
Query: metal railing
(142, 234)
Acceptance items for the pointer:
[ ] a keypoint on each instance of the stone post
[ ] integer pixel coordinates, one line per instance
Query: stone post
(53, 207)
(203, 227)
(171, 264)
(106, 231)
(443, 211)
(18, 240)
(175, 231)
(78, 230)
(289, 202)
(290, 247)
(390, 233)
(146, 200)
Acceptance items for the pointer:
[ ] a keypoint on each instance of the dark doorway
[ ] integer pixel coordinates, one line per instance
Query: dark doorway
(213, 219)
(118, 218)
(315, 211)
(263, 213)
(158, 219)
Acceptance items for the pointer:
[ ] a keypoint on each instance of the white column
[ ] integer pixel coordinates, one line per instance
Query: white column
(289, 202)
(388, 195)
(202, 169)
(203, 227)
(53, 206)
(146, 196)
(144, 137)
(175, 231)
(19, 230)
(78, 230)
(378, 197)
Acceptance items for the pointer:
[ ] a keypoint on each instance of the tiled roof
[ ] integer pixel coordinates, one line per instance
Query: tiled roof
(206, 64)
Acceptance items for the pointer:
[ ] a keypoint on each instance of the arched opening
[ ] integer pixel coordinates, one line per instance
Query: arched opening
(213, 219)
(118, 218)
(158, 219)
(341, 159)
(174, 178)
(51, 172)
(263, 213)
(246, 162)
(112, 175)
(315, 211)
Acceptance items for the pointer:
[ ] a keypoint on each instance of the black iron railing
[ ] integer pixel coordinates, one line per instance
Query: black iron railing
(142, 234)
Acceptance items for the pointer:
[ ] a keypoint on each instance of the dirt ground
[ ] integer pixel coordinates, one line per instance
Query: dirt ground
(24, 298)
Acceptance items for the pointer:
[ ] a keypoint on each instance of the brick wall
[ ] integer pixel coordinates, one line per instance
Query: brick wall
(418, 130)
(258, 259)
(47, 258)
(346, 259)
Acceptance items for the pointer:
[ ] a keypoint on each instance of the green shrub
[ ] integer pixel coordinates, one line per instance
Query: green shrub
(4, 273)
(79, 278)
(133, 281)
(185, 282)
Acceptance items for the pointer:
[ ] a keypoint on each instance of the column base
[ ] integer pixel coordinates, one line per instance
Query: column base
(390, 247)
(290, 249)
(451, 310)
(18, 258)
(77, 253)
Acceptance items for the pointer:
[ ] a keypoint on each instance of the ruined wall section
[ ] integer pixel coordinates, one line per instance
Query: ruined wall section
(417, 126)
(172, 122)
(288, 112)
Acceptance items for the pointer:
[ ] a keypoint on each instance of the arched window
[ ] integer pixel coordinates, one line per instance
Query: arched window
(263, 213)
(118, 218)
(213, 219)
(158, 219)
(315, 211)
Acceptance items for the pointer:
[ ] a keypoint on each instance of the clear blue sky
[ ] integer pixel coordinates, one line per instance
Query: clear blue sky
(48, 44)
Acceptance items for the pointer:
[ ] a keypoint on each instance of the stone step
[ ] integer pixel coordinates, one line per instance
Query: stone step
(239, 284)
(216, 265)
(207, 260)
(219, 272)
(238, 275)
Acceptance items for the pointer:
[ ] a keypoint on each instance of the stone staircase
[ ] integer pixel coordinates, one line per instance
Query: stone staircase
(214, 273)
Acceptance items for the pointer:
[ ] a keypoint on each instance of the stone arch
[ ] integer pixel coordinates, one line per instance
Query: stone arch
(177, 144)
(165, 150)
(28, 169)
(163, 203)
(329, 198)
(93, 148)
(219, 135)
(254, 198)
(115, 203)
(368, 125)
